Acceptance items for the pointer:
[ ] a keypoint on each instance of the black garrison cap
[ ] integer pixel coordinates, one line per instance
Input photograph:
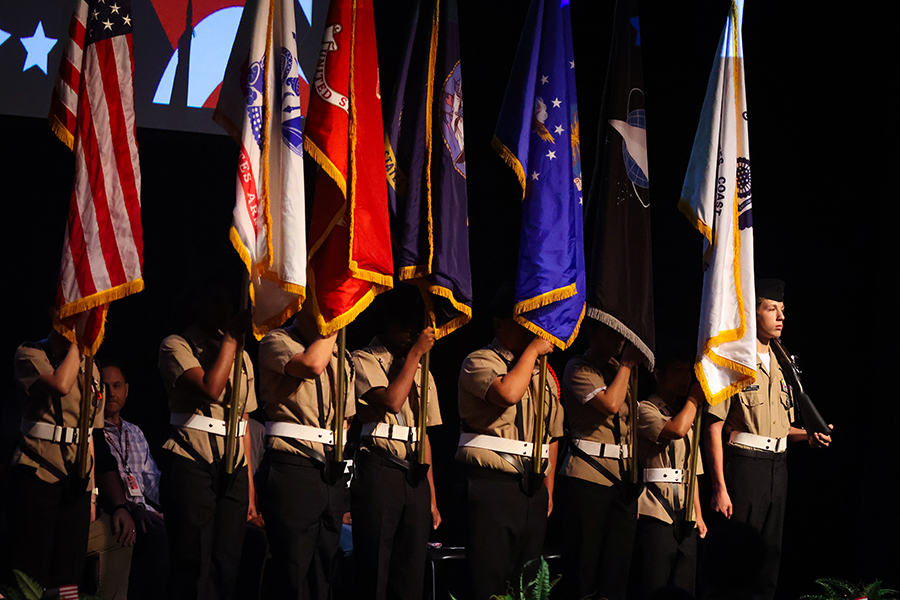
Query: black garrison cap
(770, 289)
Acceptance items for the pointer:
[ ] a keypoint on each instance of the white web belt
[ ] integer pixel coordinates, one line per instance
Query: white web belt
(388, 431)
(759, 442)
(600, 450)
(663, 475)
(50, 433)
(303, 433)
(201, 423)
(499, 444)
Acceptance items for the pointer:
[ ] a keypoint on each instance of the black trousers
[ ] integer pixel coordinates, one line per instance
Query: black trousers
(599, 528)
(391, 525)
(149, 576)
(48, 527)
(757, 485)
(303, 523)
(505, 530)
(206, 514)
(664, 561)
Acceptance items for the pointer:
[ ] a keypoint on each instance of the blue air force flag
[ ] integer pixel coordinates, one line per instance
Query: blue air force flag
(260, 106)
(537, 135)
(717, 198)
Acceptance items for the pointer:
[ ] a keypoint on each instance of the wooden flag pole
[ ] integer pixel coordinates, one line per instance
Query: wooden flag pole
(423, 407)
(84, 417)
(692, 468)
(234, 415)
(537, 459)
(340, 396)
(632, 425)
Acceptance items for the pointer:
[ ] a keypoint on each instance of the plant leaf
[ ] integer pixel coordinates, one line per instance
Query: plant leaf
(30, 588)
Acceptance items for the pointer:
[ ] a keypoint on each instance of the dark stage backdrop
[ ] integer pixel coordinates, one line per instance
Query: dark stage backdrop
(817, 130)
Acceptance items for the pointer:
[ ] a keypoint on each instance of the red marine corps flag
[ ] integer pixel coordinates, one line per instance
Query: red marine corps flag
(92, 112)
(350, 241)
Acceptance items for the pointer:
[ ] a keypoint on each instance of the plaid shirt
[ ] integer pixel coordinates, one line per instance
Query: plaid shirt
(132, 453)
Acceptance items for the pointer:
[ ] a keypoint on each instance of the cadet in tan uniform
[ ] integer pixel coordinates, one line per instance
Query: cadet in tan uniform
(206, 510)
(49, 508)
(747, 439)
(666, 551)
(305, 495)
(507, 503)
(394, 507)
(598, 499)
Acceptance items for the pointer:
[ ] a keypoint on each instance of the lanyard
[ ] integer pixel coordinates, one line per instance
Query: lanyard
(119, 450)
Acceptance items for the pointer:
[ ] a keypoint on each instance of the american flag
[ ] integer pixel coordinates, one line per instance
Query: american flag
(92, 111)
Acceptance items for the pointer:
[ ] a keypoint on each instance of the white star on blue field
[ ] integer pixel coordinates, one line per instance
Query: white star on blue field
(38, 47)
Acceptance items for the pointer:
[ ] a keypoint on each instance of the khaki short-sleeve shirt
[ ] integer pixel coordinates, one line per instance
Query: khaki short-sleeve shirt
(478, 415)
(653, 452)
(179, 353)
(764, 408)
(38, 404)
(289, 399)
(374, 370)
(582, 381)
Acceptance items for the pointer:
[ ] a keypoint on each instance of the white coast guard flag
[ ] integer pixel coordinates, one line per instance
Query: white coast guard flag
(260, 106)
(717, 199)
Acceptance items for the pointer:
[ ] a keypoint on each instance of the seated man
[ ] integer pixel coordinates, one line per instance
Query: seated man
(140, 476)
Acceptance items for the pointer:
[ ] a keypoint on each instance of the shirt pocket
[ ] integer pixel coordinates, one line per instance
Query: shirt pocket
(753, 399)
(788, 405)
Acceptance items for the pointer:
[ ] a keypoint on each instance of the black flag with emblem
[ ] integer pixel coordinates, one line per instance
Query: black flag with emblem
(617, 215)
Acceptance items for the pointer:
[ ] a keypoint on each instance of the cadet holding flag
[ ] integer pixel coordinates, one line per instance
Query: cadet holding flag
(752, 408)
(508, 401)
(598, 474)
(394, 505)
(304, 498)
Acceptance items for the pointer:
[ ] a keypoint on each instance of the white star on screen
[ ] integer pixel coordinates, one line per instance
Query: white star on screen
(114, 8)
(95, 15)
(127, 19)
(559, 129)
(551, 154)
(544, 79)
(38, 46)
(4, 35)
(107, 25)
(556, 103)
(535, 175)
(571, 64)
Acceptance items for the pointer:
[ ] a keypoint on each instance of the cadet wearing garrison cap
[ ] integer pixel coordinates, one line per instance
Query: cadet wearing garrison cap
(748, 436)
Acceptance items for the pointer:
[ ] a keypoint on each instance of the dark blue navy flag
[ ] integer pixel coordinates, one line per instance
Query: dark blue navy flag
(617, 231)
(537, 135)
(426, 164)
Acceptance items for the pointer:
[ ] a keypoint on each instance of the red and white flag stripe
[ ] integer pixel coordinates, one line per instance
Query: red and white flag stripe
(93, 112)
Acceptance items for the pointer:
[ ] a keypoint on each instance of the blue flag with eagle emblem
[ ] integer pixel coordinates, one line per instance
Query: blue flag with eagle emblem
(617, 214)
(426, 164)
(537, 135)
